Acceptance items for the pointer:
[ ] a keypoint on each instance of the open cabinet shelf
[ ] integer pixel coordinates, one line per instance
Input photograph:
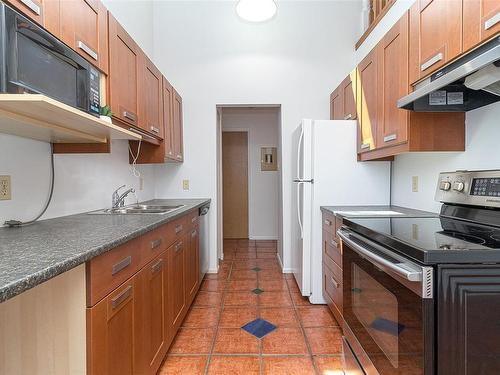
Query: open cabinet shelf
(42, 118)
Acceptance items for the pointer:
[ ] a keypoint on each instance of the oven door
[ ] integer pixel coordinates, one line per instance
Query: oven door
(388, 308)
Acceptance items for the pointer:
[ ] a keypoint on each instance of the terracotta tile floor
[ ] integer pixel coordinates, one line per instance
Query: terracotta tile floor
(307, 339)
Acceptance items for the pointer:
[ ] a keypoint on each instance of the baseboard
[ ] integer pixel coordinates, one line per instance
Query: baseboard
(263, 238)
(212, 271)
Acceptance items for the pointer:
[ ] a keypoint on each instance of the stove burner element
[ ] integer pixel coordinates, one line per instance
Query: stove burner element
(464, 237)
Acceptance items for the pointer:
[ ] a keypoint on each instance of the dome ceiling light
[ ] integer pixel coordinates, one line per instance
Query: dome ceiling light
(256, 10)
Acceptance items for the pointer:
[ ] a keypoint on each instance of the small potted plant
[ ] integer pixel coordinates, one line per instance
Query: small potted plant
(105, 113)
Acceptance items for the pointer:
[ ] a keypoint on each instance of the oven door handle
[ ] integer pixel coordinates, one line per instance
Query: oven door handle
(411, 275)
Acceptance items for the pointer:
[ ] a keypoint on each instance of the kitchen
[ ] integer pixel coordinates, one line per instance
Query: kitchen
(295, 67)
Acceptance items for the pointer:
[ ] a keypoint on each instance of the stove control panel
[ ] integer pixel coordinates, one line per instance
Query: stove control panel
(476, 188)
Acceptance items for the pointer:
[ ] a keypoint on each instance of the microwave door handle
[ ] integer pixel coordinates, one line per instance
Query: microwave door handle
(376, 259)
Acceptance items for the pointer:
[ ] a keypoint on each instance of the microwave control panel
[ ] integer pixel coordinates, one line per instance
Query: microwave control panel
(94, 92)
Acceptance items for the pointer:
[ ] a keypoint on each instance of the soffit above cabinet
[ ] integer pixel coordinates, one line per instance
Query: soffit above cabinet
(42, 118)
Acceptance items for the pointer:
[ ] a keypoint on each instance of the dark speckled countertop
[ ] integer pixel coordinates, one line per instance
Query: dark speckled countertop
(36, 253)
(350, 211)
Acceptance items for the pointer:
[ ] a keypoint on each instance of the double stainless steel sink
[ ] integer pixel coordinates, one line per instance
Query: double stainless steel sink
(138, 209)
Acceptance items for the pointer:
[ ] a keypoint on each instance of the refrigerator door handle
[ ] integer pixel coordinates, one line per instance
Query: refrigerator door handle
(299, 145)
(302, 181)
(299, 214)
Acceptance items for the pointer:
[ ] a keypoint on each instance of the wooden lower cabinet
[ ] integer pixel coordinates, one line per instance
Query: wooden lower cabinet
(130, 330)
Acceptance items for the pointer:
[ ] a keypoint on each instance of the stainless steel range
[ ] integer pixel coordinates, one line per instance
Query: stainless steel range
(422, 295)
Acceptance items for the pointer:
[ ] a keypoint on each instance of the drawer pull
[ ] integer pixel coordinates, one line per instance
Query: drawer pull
(32, 6)
(433, 60)
(89, 51)
(364, 146)
(154, 129)
(334, 243)
(194, 233)
(131, 116)
(328, 222)
(178, 229)
(178, 246)
(157, 266)
(117, 301)
(155, 243)
(489, 23)
(179, 156)
(348, 117)
(335, 284)
(390, 137)
(121, 265)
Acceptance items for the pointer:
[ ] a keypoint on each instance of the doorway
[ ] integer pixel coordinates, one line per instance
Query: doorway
(249, 187)
(235, 184)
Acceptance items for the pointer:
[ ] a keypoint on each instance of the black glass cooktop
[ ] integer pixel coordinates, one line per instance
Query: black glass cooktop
(433, 239)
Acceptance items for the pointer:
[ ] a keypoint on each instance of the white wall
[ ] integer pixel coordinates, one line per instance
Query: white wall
(212, 57)
(263, 126)
(83, 182)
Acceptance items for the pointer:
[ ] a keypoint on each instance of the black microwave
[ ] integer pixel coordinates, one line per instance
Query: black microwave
(32, 61)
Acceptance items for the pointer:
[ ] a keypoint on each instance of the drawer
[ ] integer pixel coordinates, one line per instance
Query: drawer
(192, 218)
(175, 230)
(332, 285)
(154, 243)
(332, 248)
(329, 222)
(107, 271)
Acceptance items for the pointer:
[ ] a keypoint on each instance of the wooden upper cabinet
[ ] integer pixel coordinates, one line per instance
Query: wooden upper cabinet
(336, 107)
(348, 87)
(435, 35)
(84, 27)
(111, 324)
(178, 127)
(43, 12)
(151, 98)
(367, 102)
(392, 66)
(481, 21)
(151, 334)
(168, 119)
(124, 72)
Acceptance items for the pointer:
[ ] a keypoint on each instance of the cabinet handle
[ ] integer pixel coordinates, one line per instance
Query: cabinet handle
(335, 284)
(32, 6)
(390, 137)
(348, 117)
(433, 60)
(155, 243)
(121, 265)
(365, 146)
(489, 23)
(328, 222)
(154, 129)
(157, 266)
(89, 51)
(334, 243)
(179, 156)
(178, 246)
(194, 233)
(131, 116)
(178, 229)
(117, 301)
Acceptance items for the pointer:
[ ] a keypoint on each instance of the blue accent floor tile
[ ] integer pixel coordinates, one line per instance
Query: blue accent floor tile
(257, 291)
(259, 328)
(256, 269)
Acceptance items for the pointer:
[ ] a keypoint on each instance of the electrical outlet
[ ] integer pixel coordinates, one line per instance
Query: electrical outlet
(414, 184)
(185, 184)
(5, 188)
(141, 183)
(414, 230)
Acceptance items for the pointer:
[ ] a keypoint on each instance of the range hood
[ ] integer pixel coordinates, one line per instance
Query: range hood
(470, 82)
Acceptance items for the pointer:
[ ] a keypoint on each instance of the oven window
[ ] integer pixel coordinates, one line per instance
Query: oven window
(376, 308)
(41, 70)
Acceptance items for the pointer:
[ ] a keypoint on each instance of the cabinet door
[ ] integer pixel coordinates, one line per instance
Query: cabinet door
(151, 332)
(367, 92)
(178, 124)
(192, 265)
(111, 322)
(468, 308)
(84, 27)
(168, 119)
(393, 84)
(176, 283)
(151, 99)
(336, 105)
(33, 9)
(481, 21)
(349, 97)
(124, 71)
(436, 35)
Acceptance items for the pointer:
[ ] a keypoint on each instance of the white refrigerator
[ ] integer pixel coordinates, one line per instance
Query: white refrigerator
(327, 173)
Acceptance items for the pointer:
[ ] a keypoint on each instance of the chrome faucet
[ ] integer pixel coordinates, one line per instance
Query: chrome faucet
(118, 200)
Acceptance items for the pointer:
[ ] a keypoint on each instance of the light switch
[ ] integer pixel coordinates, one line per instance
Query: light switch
(185, 184)
(5, 188)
